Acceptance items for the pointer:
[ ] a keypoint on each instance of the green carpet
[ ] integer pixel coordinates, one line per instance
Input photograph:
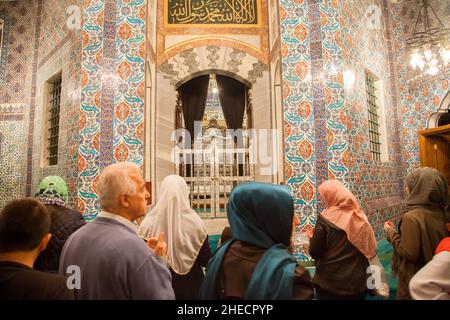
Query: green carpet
(213, 242)
(385, 250)
(207, 210)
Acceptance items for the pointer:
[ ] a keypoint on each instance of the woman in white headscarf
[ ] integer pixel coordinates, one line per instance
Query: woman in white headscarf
(187, 239)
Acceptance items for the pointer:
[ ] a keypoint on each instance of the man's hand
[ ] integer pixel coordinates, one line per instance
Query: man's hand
(158, 245)
(388, 225)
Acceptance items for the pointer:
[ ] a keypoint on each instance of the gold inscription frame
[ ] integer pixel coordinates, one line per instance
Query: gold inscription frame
(209, 25)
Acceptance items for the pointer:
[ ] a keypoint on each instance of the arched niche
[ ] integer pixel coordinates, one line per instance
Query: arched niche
(442, 115)
(187, 65)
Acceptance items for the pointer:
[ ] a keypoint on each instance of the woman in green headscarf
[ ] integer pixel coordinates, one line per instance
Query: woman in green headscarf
(421, 228)
(53, 192)
(256, 263)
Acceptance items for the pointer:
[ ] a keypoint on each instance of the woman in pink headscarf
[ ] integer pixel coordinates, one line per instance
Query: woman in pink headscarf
(342, 244)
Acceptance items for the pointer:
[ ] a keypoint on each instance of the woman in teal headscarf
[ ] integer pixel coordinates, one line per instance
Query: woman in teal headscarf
(256, 262)
(53, 192)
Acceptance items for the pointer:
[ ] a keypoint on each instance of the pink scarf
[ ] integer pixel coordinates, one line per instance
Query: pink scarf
(344, 212)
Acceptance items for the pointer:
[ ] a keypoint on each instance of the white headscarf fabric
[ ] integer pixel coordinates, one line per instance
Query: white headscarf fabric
(185, 230)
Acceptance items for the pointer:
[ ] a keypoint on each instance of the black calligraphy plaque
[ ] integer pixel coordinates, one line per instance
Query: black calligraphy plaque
(206, 12)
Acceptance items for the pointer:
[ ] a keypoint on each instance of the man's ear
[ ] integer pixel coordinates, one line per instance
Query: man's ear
(123, 200)
(44, 241)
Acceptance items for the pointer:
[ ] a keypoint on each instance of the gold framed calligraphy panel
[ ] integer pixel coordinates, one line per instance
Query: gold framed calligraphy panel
(204, 13)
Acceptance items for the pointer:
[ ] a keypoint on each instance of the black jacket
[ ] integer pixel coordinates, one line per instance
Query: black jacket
(64, 223)
(187, 286)
(20, 282)
(341, 269)
(237, 268)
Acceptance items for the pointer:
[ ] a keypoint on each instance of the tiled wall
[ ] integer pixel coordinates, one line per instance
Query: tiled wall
(39, 45)
(5, 31)
(67, 61)
(53, 25)
(316, 131)
(112, 96)
(17, 51)
(367, 46)
(58, 49)
(300, 162)
(11, 150)
(417, 102)
(15, 85)
(326, 122)
(112, 76)
(320, 41)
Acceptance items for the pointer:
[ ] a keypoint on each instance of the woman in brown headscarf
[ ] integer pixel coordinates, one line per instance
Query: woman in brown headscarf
(421, 228)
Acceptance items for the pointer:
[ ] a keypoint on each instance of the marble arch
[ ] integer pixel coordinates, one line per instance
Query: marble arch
(179, 69)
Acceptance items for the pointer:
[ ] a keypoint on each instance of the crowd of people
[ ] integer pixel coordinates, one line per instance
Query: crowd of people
(48, 251)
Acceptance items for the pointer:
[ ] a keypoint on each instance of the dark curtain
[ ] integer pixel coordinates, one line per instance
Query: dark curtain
(232, 99)
(232, 95)
(193, 95)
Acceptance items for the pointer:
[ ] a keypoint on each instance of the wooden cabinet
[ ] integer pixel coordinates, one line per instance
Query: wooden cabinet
(435, 149)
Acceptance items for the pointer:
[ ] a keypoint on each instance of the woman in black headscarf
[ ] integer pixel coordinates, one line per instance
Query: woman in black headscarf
(421, 228)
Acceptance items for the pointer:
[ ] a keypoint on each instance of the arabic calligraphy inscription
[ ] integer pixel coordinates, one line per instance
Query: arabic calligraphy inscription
(212, 12)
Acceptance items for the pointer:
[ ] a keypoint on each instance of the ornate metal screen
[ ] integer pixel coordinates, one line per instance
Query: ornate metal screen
(53, 136)
(372, 108)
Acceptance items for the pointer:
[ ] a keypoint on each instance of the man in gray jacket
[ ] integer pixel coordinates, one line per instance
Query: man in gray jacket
(114, 262)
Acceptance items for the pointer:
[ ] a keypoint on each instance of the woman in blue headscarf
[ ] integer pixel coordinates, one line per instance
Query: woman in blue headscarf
(256, 263)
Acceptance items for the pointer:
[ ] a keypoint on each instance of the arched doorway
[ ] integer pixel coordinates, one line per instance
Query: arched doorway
(213, 148)
(179, 70)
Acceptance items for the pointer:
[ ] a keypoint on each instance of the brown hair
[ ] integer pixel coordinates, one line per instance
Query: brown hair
(23, 224)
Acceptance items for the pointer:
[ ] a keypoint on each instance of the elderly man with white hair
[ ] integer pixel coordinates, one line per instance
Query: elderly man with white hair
(115, 263)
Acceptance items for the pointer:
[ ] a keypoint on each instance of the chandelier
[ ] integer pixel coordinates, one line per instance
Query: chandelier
(429, 45)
